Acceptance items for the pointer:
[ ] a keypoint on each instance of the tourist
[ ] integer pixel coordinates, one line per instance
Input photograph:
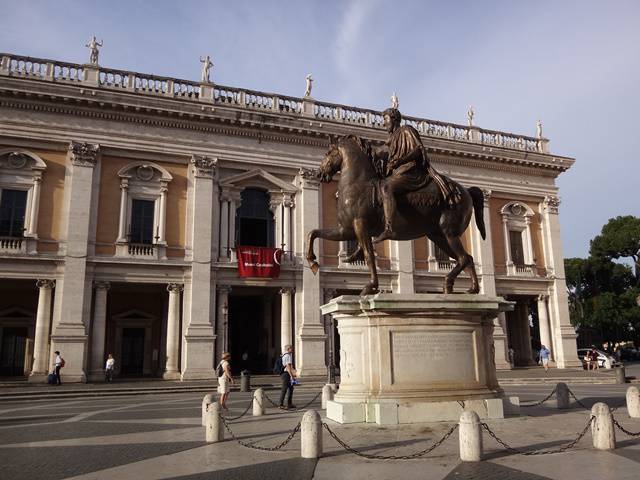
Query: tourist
(224, 379)
(594, 358)
(57, 366)
(288, 377)
(108, 369)
(544, 357)
(512, 356)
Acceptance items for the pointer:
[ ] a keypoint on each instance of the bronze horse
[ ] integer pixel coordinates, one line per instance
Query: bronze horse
(420, 213)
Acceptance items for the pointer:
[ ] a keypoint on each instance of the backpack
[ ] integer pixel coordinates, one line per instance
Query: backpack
(62, 362)
(219, 370)
(278, 367)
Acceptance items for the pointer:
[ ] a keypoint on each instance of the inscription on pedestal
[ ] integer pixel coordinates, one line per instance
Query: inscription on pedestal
(429, 357)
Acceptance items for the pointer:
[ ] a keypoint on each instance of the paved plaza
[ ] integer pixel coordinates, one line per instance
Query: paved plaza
(159, 436)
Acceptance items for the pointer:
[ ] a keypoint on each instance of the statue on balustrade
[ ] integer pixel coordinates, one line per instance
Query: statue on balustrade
(93, 49)
(393, 192)
(206, 68)
(309, 85)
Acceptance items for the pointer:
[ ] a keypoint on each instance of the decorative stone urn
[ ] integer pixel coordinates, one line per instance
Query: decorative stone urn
(415, 358)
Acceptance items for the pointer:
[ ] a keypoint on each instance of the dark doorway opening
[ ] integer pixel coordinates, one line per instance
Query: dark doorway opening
(255, 223)
(248, 337)
(132, 361)
(12, 350)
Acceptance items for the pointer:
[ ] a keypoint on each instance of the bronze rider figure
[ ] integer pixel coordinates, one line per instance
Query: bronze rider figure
(407, 168)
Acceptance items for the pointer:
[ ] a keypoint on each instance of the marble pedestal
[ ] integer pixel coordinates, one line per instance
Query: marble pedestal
(416, 358)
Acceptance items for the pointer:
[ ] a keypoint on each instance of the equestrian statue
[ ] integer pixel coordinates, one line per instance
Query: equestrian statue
(392, 192)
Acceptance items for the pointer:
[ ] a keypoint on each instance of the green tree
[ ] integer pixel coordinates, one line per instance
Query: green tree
(620, 238)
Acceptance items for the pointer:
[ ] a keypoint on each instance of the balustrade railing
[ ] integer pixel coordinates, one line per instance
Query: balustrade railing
(11, 244)
(50, 70)
(141, 249)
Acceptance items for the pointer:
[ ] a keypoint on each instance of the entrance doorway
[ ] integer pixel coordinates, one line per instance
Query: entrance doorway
(12, 351)
(251, 333)
(132, 357)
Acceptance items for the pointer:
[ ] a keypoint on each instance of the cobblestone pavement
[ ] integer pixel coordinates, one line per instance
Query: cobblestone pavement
(160, 437)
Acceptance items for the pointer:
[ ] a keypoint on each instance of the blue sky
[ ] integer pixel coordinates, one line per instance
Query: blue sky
(573, 64)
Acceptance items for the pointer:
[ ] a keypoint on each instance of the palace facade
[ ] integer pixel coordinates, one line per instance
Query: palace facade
(123, 197)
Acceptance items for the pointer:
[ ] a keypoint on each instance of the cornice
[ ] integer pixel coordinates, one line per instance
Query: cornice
(230, 123)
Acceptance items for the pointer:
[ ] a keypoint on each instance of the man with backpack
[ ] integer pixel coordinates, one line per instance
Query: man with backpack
(285, 368)
(57, 365)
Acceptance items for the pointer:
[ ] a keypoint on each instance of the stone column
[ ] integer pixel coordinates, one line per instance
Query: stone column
(309, 328)
(432, 261)
(198, 347)
(285, 318)
(72, 306)
(543, 320)
(525, 330)
(288, 205)
(222, 341)
(402, 254)
(162, 216)
(33, 214)
(275, 205)
(234, 204)
(330, 293)
(173, 332)
(528, 257)
(483, 250)
(507, 246)
(224, 227)
(122, 223)
(562, 332)
(41, 365)
(98, 331)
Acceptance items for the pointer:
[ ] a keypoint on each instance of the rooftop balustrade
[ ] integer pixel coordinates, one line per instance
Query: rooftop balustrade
(154, 85)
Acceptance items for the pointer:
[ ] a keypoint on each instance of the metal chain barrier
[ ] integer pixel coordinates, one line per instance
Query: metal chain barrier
(231, 419)
(624, 430)
(421, 453)
(562, 449)
(297, 409)
(541, 401)
(281, 445)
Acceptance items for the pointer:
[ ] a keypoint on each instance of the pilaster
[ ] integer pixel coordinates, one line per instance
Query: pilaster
(73, 292)
(310, 336)
(562, 333)
(40, 367)
(197, 355)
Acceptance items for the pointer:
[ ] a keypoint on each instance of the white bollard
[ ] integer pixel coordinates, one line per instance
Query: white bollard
(327, 394)
(603, 432)
(258, 403)
(562, 395)
(214, 430)
(208, 398)
(633, 402)
(311, 435)
(470, 435)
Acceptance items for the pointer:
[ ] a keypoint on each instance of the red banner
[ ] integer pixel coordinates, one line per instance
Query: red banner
(259, 262)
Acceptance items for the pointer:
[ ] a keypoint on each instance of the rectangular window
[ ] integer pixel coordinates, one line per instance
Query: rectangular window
(517, 252)
(142, 221)
(13, 205)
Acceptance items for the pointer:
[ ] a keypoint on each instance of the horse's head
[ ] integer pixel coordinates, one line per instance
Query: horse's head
(332, 162)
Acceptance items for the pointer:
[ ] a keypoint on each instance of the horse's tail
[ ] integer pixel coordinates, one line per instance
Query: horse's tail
(478, 208)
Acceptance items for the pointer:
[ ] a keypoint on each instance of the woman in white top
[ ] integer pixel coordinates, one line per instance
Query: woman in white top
(224, 379)
(108, 369)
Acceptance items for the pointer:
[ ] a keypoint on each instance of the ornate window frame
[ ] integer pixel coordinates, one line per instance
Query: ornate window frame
(143, 181)
(23, 170)
(516, 217)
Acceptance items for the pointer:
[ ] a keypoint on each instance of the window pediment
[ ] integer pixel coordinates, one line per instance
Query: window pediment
(145, 172)
(257, 178)
(20, 161)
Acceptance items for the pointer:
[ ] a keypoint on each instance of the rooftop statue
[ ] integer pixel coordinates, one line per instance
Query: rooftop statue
(206, 68)
(395, 103)
(309, 84)
(93, 49)
(538, 129)
(392, 192)
(470, 114)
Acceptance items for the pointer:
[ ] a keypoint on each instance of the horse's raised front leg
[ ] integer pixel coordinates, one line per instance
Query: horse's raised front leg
(335, 234)
(364, 239)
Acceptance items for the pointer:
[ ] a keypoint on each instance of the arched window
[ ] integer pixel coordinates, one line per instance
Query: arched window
(255, 225)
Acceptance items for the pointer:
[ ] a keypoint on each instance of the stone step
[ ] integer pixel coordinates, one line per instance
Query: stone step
(554, 380)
